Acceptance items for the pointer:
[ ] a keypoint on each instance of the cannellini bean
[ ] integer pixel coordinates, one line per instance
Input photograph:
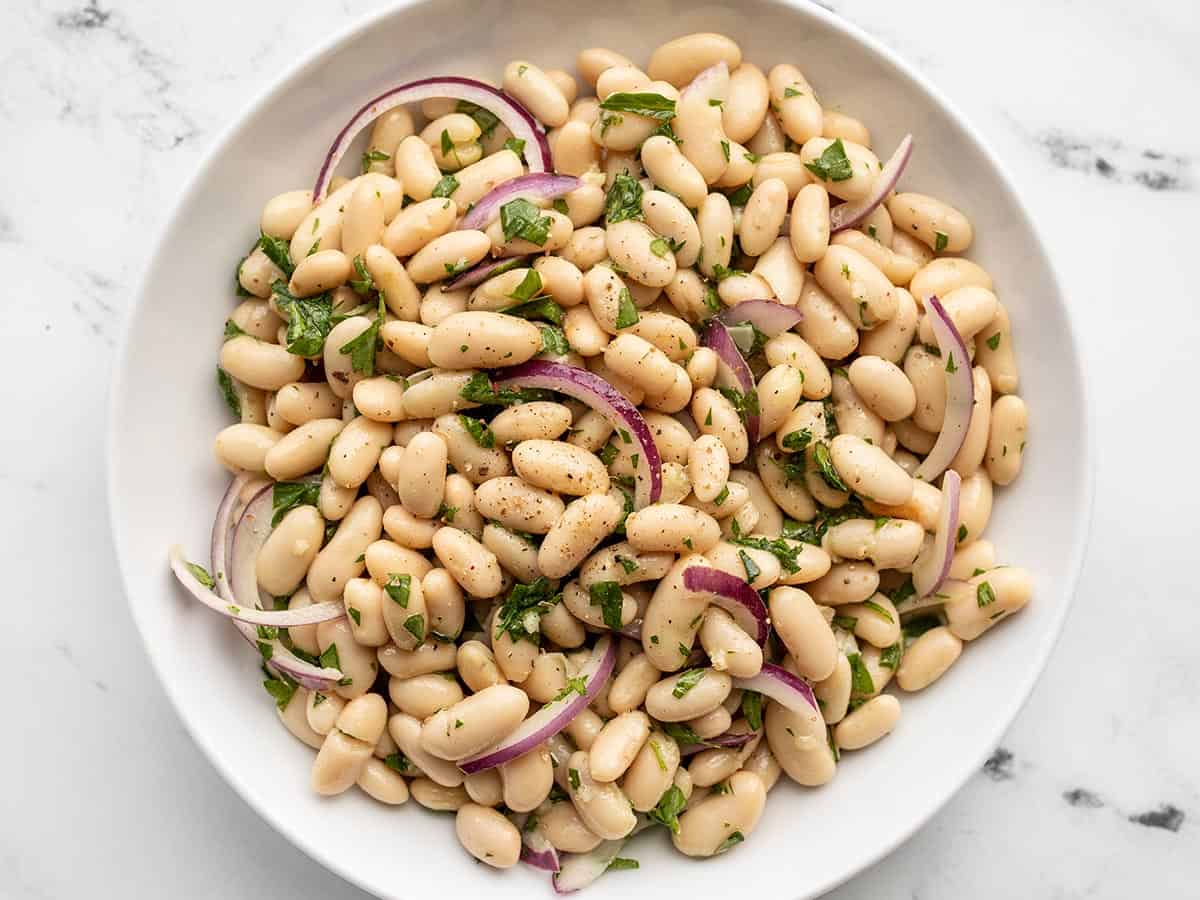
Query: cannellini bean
(682, 59)
(864, 293)
(617, 744)
(994, 351)
(933, 222)
(763, 216)
(869, 471)
(867, 724)
(978, 603)
(927, 658)
(537, 91)
(483, 340)
(883, 387)
(602, 806)
(804, 632)
(593, 61)
(672, 527)
(708, 826)
(1006, 439)
(845, 583)
(586, 522)
(449, 254)
(477, 464)
(688, 694)
(470, 563)
(749, 98)
(424, 466)
(517, 505)
(730, 649)
(355, 451)
(825, 327)
(260, 364)
(423, 695)
(485, 718)
(340, 559)
(430, 656)
(487, 835)
(786, 166)
(795, 102)
(864, 167)
(699, 127)
(708, 467)
(652, 771)
(559, 466)
(928, 376)
(673, 172)
(284, 212)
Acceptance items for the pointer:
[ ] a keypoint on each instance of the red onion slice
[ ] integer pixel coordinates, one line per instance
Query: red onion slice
(732, 371)
(601, 396)
(277, 618)
(781, 686)
(933, 565)
(728, 739)
(734, 596)
(960, 392)
(553, 717)
(249, 535)
(222, 534)
(847, 215)
(536, 185)
(515, 117)
(481, 272)
(768, 316)
(578, 870)
(536, 849)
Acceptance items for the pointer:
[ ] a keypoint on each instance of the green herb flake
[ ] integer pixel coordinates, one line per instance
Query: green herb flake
(879, 610)
(278, 251)
(752, 706)
(607, 595)
(281, 688)
(627, 313)
(329, 658)
(658, 755)
(479, 431)
(573, 777)
(478, 389)
(398, 762)
(652, 106)
(485, 119)
(825, 466)
(659, 247)
(832, 164)
(229, 392)
(725, 150)
(846, 623)
(520, 613)
(517, 146)
(670, 805)
(962, 533)
(752, 569)
(287, 495)
(741, 196)
(686, 681)
(554, 340)
(984, 595)
(399, 588)
(724, 495)
(309, 320)
(363, 347)
(732, 841)
(521, 219)
(560, 206)
(444, 188)
(797, 441)
(415, 625)
(790, 91)
(530, 287)
(940, 240)
(624, 200)
(994, 341)
(373, 156)
(201, 574)
(890, 657)
(860, 678)
(620, 862)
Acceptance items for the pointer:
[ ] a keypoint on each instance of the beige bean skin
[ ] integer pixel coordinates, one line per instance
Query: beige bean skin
(770, 520)
(384, 559)
(617, 744)
(746, 108)
(284, 212)
(357, 662)
(682, 59)
(728, 558)
(706, 695)
(869, 471)
(478, 178)
(898, 269)
(363, 601)
(708, 466)
(430, 656)
(668, 216)
(943, 275)
(475, 463)
(416, 169)
(586, 522)
(585, 248)
(890, 544)
(337, 562)
(559, 233)
(834, 691)
(804, 632)
(707, 825)
(259, 364)
(864, 166)
(547, 677)
(974, 506)
(514, 657)
(490, 339)
(584, 332)
(672, 527)
(1011, 586)
(651, 772)
(715, 415)
(416, 225)
(256, 273)
(1006, 439)
(789, 349)
(564, 829)
(432, 795)
(602, 806)
(323, 711)
(355, 451)
(873, 720)
(578, 601)
(472, 565)
(890, 340)
(730, 649)
(994, 351)
(825, 327)
(593, 61)
(864, 293)
(517, 505)
(245, 447)
(809, 228)
(935, 223)
(779, 390)
(789, 495)
(423, 486)
(763, 215)
(381, 783)
(527, 780)
(673, 172)
(927, 658)
(584, 728)
(782, 272)
(339, 762)
(423, 695)
(294, 720)
(928, 376)
(630, 685)
(575, 153)
(883, 387)
(404, 612)
(487, 835)
(798, 743)
(799, 111)
(668, 632)
(975, 555)
(447, 254)
(257, 319)
(539, 420)
(437, 395)
(715, 221)
(786, 166)
(405, 730)
(641, 362)
(534, 89)
(323, 271)
(444, 602)
(845, 583)
(971, 455)
(708, 767)
(710, 725)
(558, 466)
(477, 666)
(486, 717)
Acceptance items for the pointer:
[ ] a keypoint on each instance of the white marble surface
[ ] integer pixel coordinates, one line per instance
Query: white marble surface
(105, 108)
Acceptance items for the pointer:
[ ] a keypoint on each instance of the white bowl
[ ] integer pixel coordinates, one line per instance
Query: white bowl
(164, 483)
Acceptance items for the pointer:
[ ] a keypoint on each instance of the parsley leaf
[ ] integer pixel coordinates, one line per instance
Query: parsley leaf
(281, 687)
(415, 625)
(485, 119)
(537, 308)
(362, 348)
(620, 862)
(832, 164)
(994, 341)
(984, 595)
(860, 678)
(627, 313)
(752, 569)
(669, 806)
(521, 219)
(479, 390)
(732, 841)
(364, 284)
(652, 106)
(479, 430)
(309, 320)
(278, 251)
(554, 340)
(444, 188)
(372, 156)
(607, 595)
(520, 613)
(825, 466)
(797, 441)
(225, 383)
(624, 200)
(287, 495)
(399, 588)
(940, 240)
(752, 709)
(686, 682)
(517, 146)
(890, 657)
(530, 287)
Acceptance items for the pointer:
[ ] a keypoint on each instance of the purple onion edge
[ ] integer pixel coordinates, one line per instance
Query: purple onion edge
(729, 587)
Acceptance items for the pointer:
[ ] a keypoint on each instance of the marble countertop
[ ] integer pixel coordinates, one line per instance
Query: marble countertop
(106, 107)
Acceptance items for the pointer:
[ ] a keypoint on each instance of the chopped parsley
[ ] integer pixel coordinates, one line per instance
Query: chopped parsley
(940, 240)
(879, 610)
(668, 808)
(732, 841)
(479, 431)
(399, 588)
(554, 340)
(752, 709)
(860, 678)
(398, 762)
(752, 569)
(415, 625)
(520, 614)
(790, 91)
(620, 862)
(364, 283)
(281, 688)
(278, 251)
(573, 777)
(832, 164)
(607, 595)
(652, 106)
(309, 320)
(200, 574)
(724, 495)
(825, 466)
(624, 200)
(658, 755)
(479, 390)
(725, 150)
(984, 595)
(890, 657)
(741, 196)
(517, 146)
(287, 495)
(363, 347)
(797, 441)
(962, 533)
(530, 287)
(228, 392)
(487, 121)
(521, 219)
(659, 247)
(685, 682)
(994, 341)
(627, 313)
(444, 188)
(373, 156)
(629, 565)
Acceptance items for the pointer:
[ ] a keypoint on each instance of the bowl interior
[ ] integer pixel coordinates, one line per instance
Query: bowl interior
(164, 482)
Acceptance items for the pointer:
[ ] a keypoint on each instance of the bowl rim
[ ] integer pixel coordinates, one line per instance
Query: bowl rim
(1021, 688)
